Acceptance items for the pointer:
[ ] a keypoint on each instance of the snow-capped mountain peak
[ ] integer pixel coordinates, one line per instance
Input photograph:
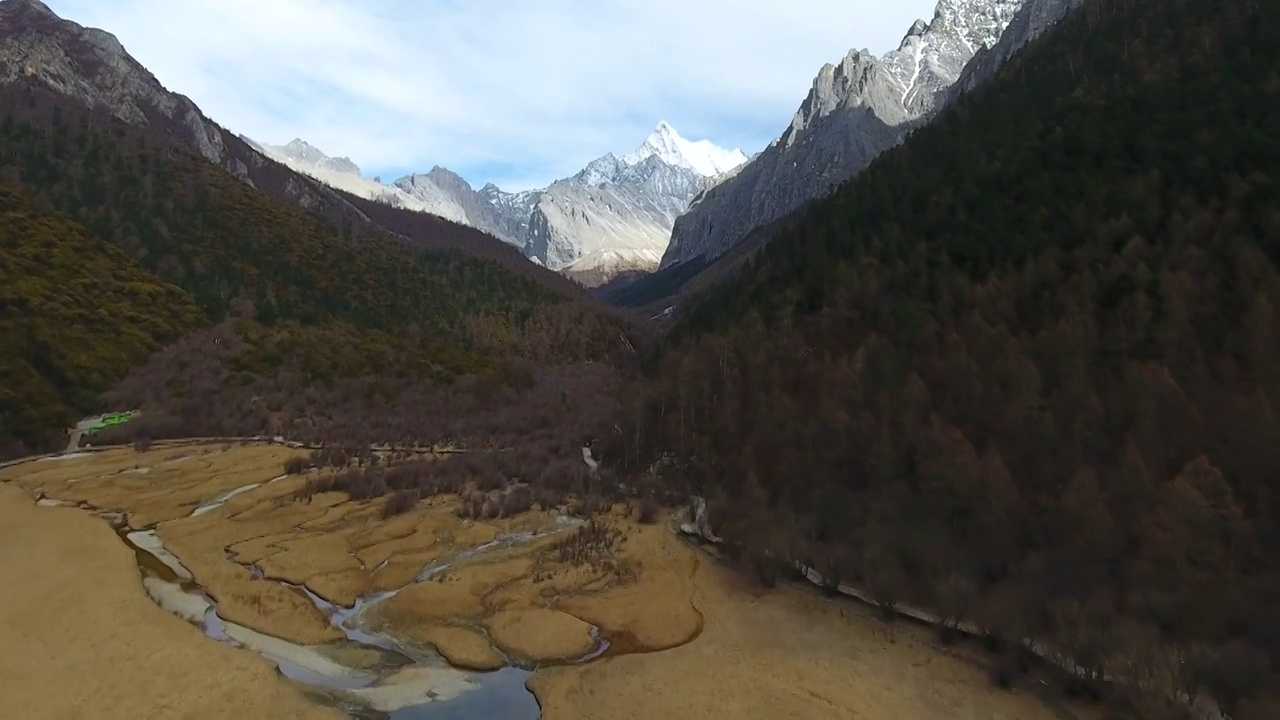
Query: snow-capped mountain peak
(702, 156)
(614, 215)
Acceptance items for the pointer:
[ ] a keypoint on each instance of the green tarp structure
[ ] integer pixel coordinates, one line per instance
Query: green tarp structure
(110, 420)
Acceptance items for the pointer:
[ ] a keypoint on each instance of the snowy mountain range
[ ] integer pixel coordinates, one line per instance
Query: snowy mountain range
(672, 200)
(667, 201)
(614, 215)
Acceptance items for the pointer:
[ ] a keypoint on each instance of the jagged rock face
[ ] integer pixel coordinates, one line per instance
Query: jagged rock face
(438, 192)
(92, 66)
(441, 192)
(419, 186)
(516, 208)
(616, 214)
(1036, 17)
(610, 217)
(855, 110)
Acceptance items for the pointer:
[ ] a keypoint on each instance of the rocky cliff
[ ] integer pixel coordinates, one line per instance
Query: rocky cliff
(855, 110)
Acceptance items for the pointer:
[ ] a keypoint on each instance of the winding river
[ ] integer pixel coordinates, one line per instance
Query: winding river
(406, 682)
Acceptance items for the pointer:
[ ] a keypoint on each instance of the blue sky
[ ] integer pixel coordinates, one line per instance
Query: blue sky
(506, 91)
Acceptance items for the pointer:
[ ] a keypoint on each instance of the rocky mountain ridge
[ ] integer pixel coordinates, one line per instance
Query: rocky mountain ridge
(92, 66)
(1035, 17)
(855, 110)
(614, 215)
(667, 201)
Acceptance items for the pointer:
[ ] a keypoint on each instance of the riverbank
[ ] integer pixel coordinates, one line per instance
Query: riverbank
(79, 637)
(619, 619)
(780, 653)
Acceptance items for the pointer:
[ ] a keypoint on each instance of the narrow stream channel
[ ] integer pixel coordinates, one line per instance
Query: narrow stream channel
(408, 682)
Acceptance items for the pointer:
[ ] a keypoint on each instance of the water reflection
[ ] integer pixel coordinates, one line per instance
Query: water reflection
(501, 696)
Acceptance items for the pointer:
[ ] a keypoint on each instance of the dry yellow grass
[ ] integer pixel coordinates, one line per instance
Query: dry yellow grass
(459, 595)
(155, 486)
(541, 634)
(689, 638)
(777, 654)
(80, 638)
(462, 647)
(651, 607)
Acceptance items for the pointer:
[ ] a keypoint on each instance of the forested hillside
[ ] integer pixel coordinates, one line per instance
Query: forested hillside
(391, 307)
(1026, 369)
(202, 228)
(76, 314)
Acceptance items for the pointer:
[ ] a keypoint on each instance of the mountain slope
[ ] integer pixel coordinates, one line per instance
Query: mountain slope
(854, 111)
(224, 241)
(348, 288)
(1025, 369)
(476, 210)
(613, 216)
(617, 214)
(76, 313)
(438, 192)
(1035, 17)
(343, 174)
(39, 49)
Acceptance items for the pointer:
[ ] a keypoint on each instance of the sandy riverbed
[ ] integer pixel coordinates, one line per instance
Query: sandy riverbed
(689, 637)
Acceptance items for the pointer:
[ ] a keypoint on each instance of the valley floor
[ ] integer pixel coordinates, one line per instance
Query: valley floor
(80, 638)
(782, 653)
(690, 638)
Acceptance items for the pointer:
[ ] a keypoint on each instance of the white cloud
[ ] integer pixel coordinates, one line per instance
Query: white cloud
(512, 91)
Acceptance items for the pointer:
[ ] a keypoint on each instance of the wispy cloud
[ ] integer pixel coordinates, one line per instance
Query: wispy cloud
(516, 92)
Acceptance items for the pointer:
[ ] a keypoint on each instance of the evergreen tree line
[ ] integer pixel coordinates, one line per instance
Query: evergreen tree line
(1025, 371)
(158, 231)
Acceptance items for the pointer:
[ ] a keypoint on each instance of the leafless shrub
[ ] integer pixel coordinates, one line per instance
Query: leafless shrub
(471, 505)
(330, 456)
(401, 501)
(591, 543)
(14, 449)
(547, 498)
(589, 506)
(769, 569)
(295, 466)
(1007, 668)
(647, 510)
(517, 500)
(489, 479)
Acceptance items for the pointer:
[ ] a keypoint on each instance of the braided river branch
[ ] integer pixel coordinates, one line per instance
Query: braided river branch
(197, 577)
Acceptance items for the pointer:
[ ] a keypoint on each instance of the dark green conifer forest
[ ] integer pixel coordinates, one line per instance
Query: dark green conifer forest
(1025, 369)
(76, 314)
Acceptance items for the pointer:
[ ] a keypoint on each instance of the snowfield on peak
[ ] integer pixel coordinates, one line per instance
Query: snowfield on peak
(702, 156)
(616, 214)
